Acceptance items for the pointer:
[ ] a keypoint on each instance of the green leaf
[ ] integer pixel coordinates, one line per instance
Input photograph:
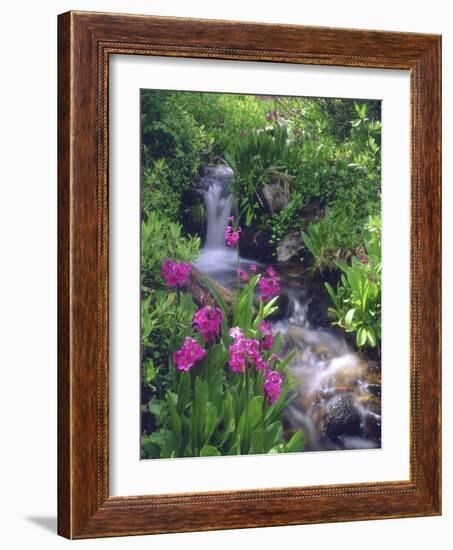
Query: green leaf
(155, 407)
(332, 294)
(212, 420)
(371, 337)
(175, 419)
(149, 448)
(361, 336)
(201, 400)
(349, 316)
(257, 443)
(273, 435)
(183, 392)
(296, 443)
(209, 450)
(255, 411)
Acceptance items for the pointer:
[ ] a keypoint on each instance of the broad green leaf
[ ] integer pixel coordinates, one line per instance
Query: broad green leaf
(209, 450)
(255, 411)
(349, 316)
(371, 336)
(155, 407)
(175, 419)
(212, 420)
(361, 336)
(183, 392)
(272, 435)
(296, 443)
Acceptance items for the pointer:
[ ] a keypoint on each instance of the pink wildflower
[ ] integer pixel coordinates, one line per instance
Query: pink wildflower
(243, 275)
(267, 340)
(232, 236)
(253, 268)
(273, 385)
(175, 274)
(236, 333)
(231, 219)
(243, 350)
(271, 272)
(189, 353)
(270, 116)
(207, 320)
(363, 259)
(269, 287)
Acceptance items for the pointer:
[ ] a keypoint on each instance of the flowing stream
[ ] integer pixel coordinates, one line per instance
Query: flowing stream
(338, 402)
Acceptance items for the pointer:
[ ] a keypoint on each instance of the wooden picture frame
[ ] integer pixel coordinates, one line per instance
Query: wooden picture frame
(85, 42)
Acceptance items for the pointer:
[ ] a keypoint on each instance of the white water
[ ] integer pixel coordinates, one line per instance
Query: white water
(216, 258)
(328, 371)
(215, 188)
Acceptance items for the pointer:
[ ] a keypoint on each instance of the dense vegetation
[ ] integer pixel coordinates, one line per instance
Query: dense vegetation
(307, 190)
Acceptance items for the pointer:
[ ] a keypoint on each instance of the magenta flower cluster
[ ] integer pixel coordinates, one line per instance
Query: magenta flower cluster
(273, 385)
(267, 341)
(269, 285)
(189, 353)
(174, 273)
(231, 233)
(208, 320)
(271, 116)
(363, 259)
(244, 350)
(244, 275)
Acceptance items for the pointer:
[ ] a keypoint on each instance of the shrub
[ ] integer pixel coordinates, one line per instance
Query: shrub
(163, 318)
(330, 238)
(173, 148)
(357, 299)
(250, 157)
(161, 239)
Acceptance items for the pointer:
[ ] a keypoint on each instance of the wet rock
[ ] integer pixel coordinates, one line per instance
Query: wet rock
(373, 426)
(255, 243)
(274, 196)
(342, 418)
(374, 389)
(374, 366)
(289, 246)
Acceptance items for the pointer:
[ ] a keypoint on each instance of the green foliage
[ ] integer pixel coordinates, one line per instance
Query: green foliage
(329, 238)
(288, 219)
(164, 315)
(166, 319)
(211, 411)
(161, 239)
(173, 148)
(357, 299)
(250, 158)
(225, 117)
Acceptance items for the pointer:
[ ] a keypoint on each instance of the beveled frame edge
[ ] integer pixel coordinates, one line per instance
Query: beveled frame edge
(85, 41)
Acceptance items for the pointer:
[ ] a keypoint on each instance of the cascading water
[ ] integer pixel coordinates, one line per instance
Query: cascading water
(216, 259)
(338, 396)
(215, 187)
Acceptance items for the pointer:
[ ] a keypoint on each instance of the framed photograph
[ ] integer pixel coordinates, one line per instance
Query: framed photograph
(249, 275)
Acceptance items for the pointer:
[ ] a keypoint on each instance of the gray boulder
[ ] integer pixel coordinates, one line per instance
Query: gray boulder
(289, 246)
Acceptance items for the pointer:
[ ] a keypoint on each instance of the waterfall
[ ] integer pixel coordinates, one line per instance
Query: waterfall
(215, 188)
(216, 259)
